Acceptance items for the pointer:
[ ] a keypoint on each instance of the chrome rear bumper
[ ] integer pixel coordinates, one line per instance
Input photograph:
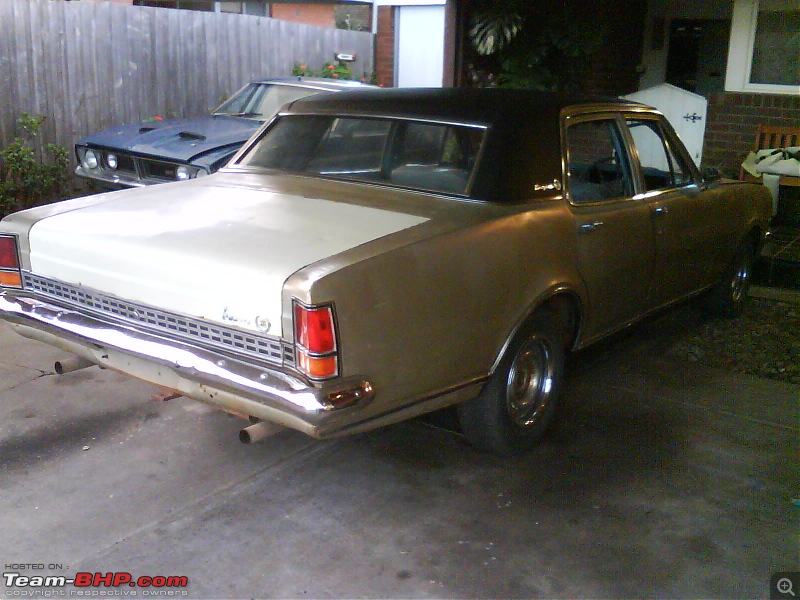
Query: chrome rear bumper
(244, 388)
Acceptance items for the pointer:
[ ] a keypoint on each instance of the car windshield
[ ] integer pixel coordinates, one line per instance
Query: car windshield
(428, 156)
(262, 100)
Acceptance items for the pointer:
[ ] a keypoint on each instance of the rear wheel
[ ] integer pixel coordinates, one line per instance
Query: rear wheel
(730, 294)
(521, 398)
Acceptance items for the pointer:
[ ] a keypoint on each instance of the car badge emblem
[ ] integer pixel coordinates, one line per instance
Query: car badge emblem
(263, 324)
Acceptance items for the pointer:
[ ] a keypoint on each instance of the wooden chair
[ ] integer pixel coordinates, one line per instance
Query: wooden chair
(775, 137)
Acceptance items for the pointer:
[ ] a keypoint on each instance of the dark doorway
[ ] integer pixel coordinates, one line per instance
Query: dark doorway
(698, 54)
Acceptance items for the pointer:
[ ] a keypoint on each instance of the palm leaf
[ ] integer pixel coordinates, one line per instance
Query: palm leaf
(494, 29)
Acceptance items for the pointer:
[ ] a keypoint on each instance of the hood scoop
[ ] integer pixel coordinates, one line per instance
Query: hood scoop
(191, 135)
(147, 129)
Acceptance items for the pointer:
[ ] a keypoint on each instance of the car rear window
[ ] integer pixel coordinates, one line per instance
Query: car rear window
(438, 157)
(262, 100)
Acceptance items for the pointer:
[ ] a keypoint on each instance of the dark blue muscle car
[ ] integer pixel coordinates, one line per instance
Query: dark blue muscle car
(180, 149)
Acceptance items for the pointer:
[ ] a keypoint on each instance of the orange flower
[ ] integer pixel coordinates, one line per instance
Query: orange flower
(331, 67)
(303, 67)
(335, 75)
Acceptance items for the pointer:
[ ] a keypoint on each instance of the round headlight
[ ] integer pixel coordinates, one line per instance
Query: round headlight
(201, 173)
(90, 159)
(182, 173)
(111, 161)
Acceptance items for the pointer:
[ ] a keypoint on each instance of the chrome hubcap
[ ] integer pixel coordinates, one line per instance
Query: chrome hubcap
(530, 382)
(741, 277)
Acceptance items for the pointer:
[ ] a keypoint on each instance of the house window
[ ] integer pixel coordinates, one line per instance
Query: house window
(763, 55)
(230, 7)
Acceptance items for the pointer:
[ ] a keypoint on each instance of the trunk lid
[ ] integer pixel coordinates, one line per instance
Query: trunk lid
(203, 249)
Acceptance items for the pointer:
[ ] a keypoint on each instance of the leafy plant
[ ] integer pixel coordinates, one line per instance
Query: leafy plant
(301, 70)
(494, 27)
(523, 46)
(340, 70)
(26, 181)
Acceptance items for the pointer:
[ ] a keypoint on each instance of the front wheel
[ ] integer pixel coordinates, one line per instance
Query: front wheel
(728, 297)
(521, 398)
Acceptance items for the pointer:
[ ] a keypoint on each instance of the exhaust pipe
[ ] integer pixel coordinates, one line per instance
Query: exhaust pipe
(259, 431)
(72, 364)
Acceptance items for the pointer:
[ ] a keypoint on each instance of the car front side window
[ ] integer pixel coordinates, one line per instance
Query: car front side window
(661, 167)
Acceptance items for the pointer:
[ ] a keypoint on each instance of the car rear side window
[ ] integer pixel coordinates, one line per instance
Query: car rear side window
(597, 164)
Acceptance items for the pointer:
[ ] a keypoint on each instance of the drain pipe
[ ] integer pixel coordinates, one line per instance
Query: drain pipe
(72, 364)
(259, 431)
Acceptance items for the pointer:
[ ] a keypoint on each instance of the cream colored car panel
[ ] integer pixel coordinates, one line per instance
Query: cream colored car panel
(233, 248)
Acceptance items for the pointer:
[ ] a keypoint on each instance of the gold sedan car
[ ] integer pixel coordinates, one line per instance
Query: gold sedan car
(371, 256)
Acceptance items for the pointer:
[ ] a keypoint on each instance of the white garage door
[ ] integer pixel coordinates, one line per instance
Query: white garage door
(420, 46)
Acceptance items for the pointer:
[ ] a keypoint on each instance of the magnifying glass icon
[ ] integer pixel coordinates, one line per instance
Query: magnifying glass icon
(784, 586)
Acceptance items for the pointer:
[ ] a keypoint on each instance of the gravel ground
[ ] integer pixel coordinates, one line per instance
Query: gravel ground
(763, 341)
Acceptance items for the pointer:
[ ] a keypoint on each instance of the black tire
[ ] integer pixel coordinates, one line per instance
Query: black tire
(521, 398)
(730, 294)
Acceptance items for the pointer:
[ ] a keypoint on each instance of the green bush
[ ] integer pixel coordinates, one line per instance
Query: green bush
(26, 181)
(301, 69)
(337, 71)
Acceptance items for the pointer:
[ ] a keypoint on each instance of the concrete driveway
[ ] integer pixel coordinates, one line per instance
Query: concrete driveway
(663, 479)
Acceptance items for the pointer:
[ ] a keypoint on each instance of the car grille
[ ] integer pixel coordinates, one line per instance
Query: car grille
(142, 169)
(153, 169)
(263, 348)
(126, 164)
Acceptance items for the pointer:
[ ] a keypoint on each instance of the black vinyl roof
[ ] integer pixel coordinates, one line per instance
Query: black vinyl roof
(484, 105)
(523, 145)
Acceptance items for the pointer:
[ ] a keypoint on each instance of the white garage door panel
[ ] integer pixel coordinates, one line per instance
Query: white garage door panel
(420, 46)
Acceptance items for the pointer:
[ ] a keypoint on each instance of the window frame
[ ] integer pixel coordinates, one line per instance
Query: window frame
(740, 53)
(627, 167)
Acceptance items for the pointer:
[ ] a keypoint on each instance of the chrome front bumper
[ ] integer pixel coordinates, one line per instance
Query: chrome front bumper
(116, 181)
(244, 388)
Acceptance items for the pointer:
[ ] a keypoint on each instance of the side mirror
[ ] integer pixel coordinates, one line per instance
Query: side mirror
(711, 174)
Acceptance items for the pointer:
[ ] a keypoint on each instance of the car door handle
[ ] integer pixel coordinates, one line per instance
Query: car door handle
(590, 227)
(660, 211)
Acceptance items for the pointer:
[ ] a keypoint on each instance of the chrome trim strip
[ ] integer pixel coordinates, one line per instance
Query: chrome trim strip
(379, 116)
(259, 347)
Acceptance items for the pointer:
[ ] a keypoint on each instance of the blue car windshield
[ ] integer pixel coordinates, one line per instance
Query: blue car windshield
(262, 100)
(429, 156)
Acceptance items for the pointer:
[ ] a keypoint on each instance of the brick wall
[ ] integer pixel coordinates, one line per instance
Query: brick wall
(732, 121)
(612, 69)
(384, 46)
(320, 15)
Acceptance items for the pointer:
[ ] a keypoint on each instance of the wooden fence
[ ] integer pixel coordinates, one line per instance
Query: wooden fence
(88, 66)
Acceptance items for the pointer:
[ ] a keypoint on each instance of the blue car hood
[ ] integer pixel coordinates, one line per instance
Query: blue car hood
(182, 140)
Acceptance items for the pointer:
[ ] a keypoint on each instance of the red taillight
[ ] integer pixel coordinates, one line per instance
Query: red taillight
(10, 275)
(315, 340)
(8, 253)
(313, 328)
